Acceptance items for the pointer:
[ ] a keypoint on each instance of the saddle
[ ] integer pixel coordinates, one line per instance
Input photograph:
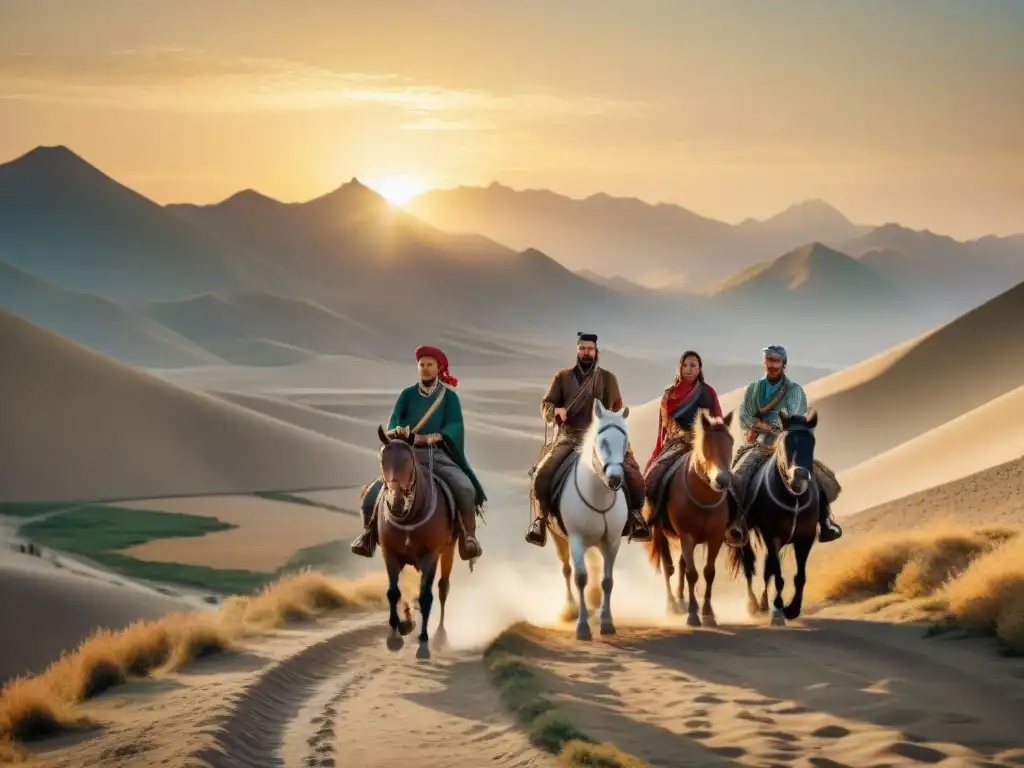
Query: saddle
(660, 491)
(558, 483)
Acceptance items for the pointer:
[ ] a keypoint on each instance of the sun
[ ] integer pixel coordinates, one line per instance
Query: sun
(397, 189)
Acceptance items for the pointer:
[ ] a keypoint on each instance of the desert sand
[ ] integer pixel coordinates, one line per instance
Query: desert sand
(829, 690)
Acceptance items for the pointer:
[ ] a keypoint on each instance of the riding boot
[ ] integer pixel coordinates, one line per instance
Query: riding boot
(537, 533)
(829, 530)
(469, 547)
(636, 527)
(736, 533)
(366, 543)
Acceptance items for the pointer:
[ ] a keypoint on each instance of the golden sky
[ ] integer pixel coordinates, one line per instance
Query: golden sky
(910, 111)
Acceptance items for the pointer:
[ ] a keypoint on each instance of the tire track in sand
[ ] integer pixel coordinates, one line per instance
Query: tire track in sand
(252, 733)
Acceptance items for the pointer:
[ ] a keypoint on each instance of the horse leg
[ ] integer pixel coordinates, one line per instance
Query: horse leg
(802, 549)
(395, 640)
(570, 611)
(443, 585)
(775, 562)
(707, 613)
(687, 564)
(749, 562)
(661, 550)
(578, 548)
(610, 551)
(766, 576)
(428, 572)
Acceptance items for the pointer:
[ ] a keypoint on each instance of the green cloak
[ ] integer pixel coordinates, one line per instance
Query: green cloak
(411, 406)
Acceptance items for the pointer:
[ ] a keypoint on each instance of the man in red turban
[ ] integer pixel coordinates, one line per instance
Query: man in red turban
(431, 409)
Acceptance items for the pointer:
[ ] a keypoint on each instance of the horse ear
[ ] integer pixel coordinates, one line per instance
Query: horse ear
(598, 408)
(727, 419)
(382, 435)
(784, 418)
(811, 419)
(625, 412)
(702, 413)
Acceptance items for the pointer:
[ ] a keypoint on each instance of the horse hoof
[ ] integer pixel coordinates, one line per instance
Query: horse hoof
(778, 620)
(607, 628)
(709, 621)
(405, 627)
(692, 620)
(583, 632)
(440, 639)
(395, 642)
(423, 652)
(569, 612)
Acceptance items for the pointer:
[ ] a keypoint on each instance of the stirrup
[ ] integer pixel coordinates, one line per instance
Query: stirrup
(536, 534)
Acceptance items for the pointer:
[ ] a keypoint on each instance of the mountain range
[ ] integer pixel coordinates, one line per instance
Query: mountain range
(253, 280)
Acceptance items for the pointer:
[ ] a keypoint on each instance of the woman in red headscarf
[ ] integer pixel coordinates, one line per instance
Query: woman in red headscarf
(687, 394)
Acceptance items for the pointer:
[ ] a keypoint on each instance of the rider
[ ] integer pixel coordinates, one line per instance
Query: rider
(432, 411)
(683, 398)
(569, 404)
(760, 420)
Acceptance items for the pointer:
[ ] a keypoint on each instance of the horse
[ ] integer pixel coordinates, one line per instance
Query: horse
(696, 511)
(416, 527)
(783, 510)
(593, 512)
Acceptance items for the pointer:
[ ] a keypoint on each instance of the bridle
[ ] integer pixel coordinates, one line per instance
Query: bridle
(702, 474)
(796, 507)
(600, 468)
(398, 521)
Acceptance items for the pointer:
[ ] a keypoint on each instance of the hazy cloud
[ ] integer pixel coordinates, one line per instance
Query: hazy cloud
(183, 80)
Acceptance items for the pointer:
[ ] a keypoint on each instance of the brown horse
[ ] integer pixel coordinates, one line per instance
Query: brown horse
(415, 527)
(696, 512)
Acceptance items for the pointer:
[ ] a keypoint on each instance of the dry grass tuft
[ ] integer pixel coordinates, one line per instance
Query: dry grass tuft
(972, 578)
(520, 684)
(35, 707)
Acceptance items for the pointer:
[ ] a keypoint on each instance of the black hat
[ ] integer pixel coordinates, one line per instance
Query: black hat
(591, 337)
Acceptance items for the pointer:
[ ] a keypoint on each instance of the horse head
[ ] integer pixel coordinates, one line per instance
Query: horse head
(609, 437)
(795, 450)
(398, 468)
(713, 443)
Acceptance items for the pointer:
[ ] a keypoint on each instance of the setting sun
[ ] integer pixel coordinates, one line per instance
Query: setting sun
(397, 189)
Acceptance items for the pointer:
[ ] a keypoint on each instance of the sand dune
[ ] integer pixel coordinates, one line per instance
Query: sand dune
(993, 496)
(47, 610)
(103, 325)
(982, 438)
(88, 427)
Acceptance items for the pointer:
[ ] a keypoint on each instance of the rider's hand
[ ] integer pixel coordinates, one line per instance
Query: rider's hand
(560, 415)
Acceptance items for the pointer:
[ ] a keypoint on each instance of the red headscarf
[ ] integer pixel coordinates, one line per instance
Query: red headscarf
(676, 393)
(442, 363)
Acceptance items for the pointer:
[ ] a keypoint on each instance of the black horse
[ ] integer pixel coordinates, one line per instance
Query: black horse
(782, 509)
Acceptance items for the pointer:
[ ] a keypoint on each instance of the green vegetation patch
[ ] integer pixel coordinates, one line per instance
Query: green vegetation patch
(520, 684)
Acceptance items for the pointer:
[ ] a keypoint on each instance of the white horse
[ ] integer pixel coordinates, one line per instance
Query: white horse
(593, 510)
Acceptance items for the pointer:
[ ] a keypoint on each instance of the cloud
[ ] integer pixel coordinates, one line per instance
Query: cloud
(184, 80)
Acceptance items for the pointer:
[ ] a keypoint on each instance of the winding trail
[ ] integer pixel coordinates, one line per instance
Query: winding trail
(825, 693)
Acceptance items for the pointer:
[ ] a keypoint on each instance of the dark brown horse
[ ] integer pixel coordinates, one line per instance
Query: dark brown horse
(783, 510)
(696, 512)
(415, 527)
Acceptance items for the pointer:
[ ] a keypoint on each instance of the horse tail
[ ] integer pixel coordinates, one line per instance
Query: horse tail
(736, 560)
(658, 547)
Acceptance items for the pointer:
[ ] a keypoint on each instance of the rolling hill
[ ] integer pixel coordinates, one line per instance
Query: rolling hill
(97, 323)
(78, 425)
(65, 221)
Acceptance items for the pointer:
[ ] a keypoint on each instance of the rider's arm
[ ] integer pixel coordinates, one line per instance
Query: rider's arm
(612, 399)
(398, 412)
(748, 408)
(796, 400)
(553, 399)
(716, 406)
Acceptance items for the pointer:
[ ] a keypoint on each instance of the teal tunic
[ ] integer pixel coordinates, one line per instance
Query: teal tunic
(759, 393)
(446, 421)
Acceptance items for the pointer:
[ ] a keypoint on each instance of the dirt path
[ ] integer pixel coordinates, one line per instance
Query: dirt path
(830, 693)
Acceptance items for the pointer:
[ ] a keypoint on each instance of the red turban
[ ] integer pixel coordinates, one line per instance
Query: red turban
(442, 363)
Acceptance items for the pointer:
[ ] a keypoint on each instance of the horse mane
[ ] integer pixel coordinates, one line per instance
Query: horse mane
(717, 425)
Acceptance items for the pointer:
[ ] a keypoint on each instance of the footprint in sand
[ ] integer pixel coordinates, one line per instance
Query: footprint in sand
(708, 698)
(917, 752)
(831, 732)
